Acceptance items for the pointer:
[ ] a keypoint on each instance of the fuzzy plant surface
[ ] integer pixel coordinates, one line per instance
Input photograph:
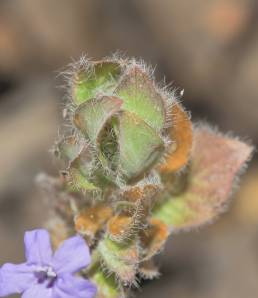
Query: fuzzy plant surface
(135, 170)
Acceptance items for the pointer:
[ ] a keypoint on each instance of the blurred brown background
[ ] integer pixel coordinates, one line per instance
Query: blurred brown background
(209, 48)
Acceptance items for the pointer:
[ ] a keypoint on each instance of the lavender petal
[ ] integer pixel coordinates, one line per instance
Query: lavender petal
(38, 291)
(71, 256)
(15, 278)
(69, 286)
(38, 248)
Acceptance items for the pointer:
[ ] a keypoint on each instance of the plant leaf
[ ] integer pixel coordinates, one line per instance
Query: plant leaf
(216, 160)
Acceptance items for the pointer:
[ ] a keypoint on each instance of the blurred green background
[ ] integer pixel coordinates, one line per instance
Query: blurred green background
(208, 48)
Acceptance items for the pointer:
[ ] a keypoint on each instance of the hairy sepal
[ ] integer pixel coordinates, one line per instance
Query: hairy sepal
(91, 116)
(82, 169)
(106, 284)
(120, 258)
(98, 78)
(141, 97)
(139, 144)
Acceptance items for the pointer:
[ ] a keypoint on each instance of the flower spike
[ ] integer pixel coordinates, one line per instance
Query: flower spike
(136, 170)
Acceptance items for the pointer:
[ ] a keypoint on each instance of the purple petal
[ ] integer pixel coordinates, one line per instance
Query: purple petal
(38, 291)
(38, 247)
(71, 256)
(69, 286)
(16, 278)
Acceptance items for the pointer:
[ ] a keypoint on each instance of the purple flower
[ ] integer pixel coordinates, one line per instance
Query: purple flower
(48, 275)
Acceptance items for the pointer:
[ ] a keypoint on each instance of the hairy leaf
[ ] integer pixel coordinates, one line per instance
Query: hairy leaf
(216, 160)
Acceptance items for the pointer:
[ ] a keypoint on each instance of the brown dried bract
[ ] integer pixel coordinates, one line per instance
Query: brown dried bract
(140, 193)
(92, 219)
(120, 226)
(154, 237)
(181, 134)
